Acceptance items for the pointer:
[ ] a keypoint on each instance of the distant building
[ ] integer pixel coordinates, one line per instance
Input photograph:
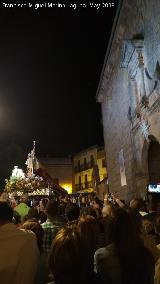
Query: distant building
(59, 169)
(89, 169)
(129, 93)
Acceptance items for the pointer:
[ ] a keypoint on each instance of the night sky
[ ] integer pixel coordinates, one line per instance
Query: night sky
(50, 65)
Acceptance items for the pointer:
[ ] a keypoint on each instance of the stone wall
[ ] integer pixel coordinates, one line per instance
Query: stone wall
(129, 91)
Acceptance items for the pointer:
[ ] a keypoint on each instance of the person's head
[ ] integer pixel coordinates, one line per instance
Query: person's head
(97, 203)
(157, 225)
(107, 210)
(13, 201)
(125, 235)
(36, 228)
(72, 212)
(88, 211)
(43, 202)
(4, 197)
(32, 213)
(88, 227)
(147, 227)
(68, 259)
(51, 209)
(6, 213)
(143, 206)
(35, 202)
(136, 219)
(24, 198)
(136, 204)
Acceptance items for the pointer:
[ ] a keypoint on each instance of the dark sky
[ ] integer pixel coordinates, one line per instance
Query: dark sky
(50, 65)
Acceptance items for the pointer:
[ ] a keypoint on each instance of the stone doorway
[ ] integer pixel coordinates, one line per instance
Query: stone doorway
(154, 162)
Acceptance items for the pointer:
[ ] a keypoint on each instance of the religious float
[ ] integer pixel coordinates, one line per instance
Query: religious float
(35, 181)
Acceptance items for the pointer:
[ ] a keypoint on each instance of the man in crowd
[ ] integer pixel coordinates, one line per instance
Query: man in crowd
(152, 211)
(51, 226)
(18, 250)
(72, 212)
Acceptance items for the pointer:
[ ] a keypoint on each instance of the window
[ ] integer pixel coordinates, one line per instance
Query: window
(86, 182)
(92, 161)
(85, 163)
(79, 166)
(103, 163)
(80, 184)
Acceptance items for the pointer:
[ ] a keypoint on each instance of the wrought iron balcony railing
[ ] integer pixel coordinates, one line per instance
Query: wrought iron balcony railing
(83, 186)
(83, 167)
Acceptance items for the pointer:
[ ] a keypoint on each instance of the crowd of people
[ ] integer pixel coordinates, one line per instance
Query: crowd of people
(68, 240)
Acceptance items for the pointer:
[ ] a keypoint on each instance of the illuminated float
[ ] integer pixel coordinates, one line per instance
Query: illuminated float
(34, 182)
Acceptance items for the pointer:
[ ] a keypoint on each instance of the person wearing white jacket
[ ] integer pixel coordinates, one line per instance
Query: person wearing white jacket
(18, 251)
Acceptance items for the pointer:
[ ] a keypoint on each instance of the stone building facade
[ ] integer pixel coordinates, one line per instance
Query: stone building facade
(89, 169)
(129, 93)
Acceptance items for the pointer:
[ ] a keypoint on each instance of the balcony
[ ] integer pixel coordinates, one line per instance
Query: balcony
(83, 167)
(82, 186)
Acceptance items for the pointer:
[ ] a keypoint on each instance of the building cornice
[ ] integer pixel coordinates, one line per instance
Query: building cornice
(103, 80)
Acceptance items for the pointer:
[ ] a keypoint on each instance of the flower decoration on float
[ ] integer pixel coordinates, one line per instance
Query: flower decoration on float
(20, 182)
